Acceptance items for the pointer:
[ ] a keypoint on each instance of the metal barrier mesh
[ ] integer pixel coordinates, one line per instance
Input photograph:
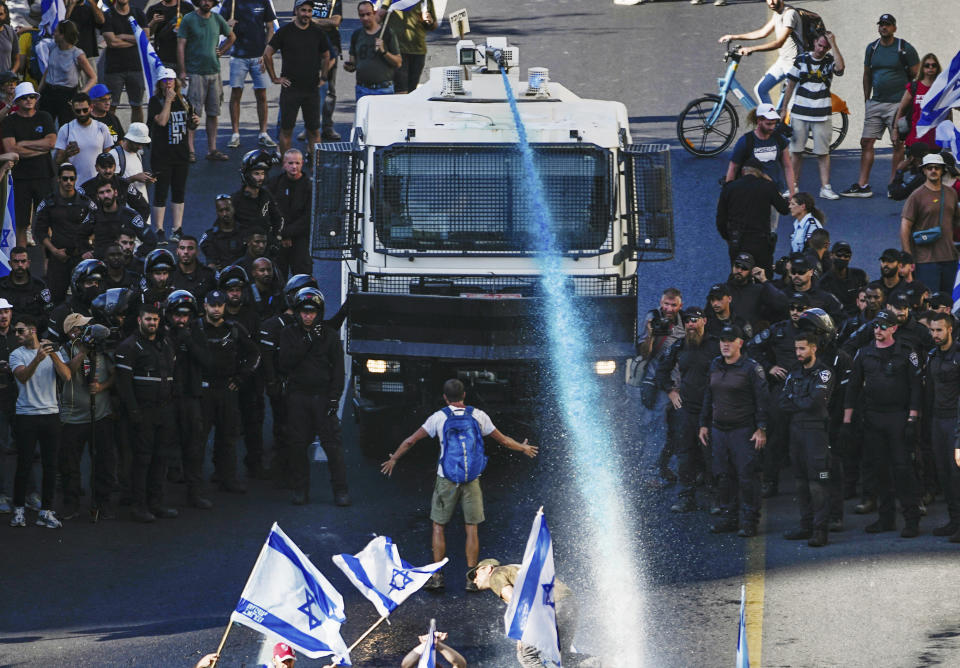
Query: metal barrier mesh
(455, 286)
(473, 199)
(336, 174)
(649, 201)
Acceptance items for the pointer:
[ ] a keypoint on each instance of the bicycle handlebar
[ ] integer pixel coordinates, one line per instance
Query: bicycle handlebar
(733, 51)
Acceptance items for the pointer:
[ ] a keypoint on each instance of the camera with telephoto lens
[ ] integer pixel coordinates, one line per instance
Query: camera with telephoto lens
(659, 325)
(94, 337)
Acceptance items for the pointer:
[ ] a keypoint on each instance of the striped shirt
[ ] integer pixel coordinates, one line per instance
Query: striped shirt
(812, 99)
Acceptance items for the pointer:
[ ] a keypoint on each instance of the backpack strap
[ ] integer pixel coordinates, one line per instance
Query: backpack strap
(446, 411)
(468, 411)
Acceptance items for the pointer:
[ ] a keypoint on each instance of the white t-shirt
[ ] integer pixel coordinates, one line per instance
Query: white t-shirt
(92, 140)
(133, 165)
(790, 49)
(38, 396)
(434, 426)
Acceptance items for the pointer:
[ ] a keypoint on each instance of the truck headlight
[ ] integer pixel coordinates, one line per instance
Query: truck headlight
(603, 367)
(383, 366)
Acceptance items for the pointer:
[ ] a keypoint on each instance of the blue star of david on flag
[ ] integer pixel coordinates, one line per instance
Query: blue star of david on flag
(548, 594)
(382, 576)
(312, 619)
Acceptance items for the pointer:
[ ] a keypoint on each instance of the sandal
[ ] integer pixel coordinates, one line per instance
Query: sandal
(192, 157)
(218, 155)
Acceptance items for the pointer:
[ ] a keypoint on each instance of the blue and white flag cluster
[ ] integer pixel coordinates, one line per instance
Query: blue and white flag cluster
(52, 13)
(150, 63)
(428, 658)
(8, 232)
(943, 96)
(382, 576)
(531, 616)
(287, 596)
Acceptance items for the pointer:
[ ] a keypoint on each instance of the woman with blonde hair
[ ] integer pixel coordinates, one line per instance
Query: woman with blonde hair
(61, 79)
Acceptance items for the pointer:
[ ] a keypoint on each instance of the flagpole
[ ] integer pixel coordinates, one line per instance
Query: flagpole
(386, 20)
(366, 633)
(223, 641)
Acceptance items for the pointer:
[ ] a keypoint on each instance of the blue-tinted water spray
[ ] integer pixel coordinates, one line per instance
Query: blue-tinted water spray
(615, 571)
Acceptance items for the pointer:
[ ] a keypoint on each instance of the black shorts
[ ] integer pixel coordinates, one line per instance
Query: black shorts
(293, 100)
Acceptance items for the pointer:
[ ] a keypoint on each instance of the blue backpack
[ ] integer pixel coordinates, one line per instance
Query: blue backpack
(462, 457)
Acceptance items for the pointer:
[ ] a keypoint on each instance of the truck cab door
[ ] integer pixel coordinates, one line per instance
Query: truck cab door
(336, 209)
(649, 201)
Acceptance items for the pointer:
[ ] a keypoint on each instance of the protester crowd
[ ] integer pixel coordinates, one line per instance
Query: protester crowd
(137, 344)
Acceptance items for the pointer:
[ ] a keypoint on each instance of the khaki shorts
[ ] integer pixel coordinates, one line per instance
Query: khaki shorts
(446, 495)
(878, 116)
(821, 130)
(205, 94)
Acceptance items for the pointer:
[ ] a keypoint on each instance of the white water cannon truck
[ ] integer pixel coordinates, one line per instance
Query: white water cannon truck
(426, 207)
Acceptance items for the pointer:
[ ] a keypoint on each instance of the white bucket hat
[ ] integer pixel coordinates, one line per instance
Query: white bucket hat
(138, 133)
(25, 88)
(933, 159)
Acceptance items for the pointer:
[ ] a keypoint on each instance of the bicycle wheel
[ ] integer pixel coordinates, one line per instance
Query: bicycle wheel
(699, 138)
(841, 122)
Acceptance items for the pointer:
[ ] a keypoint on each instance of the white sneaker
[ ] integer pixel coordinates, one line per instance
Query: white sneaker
(696, 2)
(234, 141)
(47, 519)
(266, 140)
(826, 192)
(720, 3)
(5, 506)
(19, 517)
(300, 137)
(33, 501)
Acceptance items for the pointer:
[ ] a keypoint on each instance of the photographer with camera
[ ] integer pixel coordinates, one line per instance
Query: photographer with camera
(36, 366)
(311, 357)
(86, 417)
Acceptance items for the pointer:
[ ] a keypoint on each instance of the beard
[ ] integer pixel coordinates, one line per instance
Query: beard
(694, 337)
(889, 272)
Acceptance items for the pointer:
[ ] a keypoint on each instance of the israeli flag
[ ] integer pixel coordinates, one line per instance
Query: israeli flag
(428, 658)
(956, 291)
(382, 576)
(531, 616)
(150, 62)
(743, 652)
(8, 232)
(948, 136)
(53, 11)
(943, 96)
(287, 596)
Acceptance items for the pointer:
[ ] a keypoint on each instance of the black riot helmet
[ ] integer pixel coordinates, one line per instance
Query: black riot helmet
(157, 259)
(232, 276)
(182, 301)
(309, 299)
(108, 306)
(256, 159)
(817, 321)
(84, 271)
(296, 283)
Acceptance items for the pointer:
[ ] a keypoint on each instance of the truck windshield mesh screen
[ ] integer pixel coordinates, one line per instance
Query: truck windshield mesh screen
(472, 198)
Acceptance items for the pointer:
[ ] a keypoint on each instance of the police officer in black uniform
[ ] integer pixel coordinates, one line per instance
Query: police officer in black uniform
(774, 348)
(274, 382)
(222, 243)
(734, 422)
(754, 298)
(86, 282)
(63, 224)
(806, 397)
(112, 218)
(909, 332)
(228, 357)
(253, 205)
(311, 358)
(844, 281)
(190, 274)
(182, 311)
(940, 411)
(127, 193)
(145, 366)
(27, 295)
(118, 276)
(874, 300)
(887, 375)
(692, 356)
(720, 313)
(293, 189)
(801, 276)
(156, 283)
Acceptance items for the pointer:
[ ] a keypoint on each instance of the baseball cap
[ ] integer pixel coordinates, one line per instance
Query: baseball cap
(935, 300)
(746, 260)
(800, 298)
(691, 312)
(731, 332)
(933, 159)
(841, 247)
(283, 651)
(899, 300)
(98, 91)
(215, 298)
(799, 263)
(7, 76)
(906, 257)
(472, 573)
(890, 255)
(106, 160)
(767, 110)
(884, 318)
(75, 320)
(302, 2)
(718, 290)
(887, 18)
(166, 73)
(5, 304)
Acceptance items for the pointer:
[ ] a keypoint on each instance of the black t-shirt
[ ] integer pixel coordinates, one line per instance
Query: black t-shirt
(23, 128)
(302, 51)
(122, 59)
(164, 34)
(252, 17)
(372, 67)
(113, 125)
(87, 26)
(168, 143)
(325, 9)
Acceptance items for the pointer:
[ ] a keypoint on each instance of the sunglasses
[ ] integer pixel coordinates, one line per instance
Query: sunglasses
(81, 112)
(886, 23)
(20, 330)
(68, 178)
(691, 318)
(842, 256)
(743, 267)
(930, 65)
(29, 97)
(798, 272)
(884, 326)
(798, 307)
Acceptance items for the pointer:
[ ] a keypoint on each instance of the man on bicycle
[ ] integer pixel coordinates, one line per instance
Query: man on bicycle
(785, 25)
